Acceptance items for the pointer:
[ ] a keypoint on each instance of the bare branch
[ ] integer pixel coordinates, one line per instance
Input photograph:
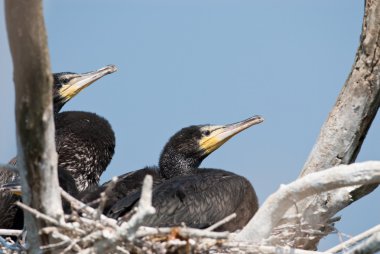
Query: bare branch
(65, 240)
(252, 248)
(354, 240)
(183, 232)
(271, 212)
(371, 245)
(144, 209)
(221, 222)
(122, 250)
(37, 157)
(109, 237)
(37, 214)
(104, 197)
(344, 131)
(47, 218)
(53, 246)
(12, 232)
(83, 207)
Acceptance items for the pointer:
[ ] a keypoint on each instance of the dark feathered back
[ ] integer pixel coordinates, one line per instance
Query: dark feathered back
(85, 144)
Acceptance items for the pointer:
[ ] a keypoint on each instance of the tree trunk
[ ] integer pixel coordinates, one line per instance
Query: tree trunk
(340, 139)
(37, 160)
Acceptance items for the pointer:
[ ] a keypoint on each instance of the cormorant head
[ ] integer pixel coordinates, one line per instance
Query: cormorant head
(185, 151)
(69, 84)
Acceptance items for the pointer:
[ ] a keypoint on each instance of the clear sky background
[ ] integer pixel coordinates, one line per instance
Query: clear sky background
(196, 62)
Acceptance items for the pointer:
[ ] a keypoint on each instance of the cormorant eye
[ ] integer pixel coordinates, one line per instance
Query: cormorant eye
(206, 133)
(64, 80)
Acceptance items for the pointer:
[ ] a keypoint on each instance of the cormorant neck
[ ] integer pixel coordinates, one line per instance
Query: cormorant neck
(173, 163)
(56, 108)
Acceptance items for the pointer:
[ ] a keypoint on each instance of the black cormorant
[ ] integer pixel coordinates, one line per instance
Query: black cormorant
(183, 192)
(85, 145)
(84, 141)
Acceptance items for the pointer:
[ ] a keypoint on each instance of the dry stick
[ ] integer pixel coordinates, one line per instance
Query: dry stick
(184, 232)
(49, 219)
(345, 129)
(371, 245)
(275, 249)
(38, 214)
(107, 239)
(122, 250)
(89, 210)
(34, 114)
(262, 249)
(74, 246)
(271, 212)
(12, 232)
(56, 234)
(221, 222)
(55, 245)
(144, 209)
(104, 197)
(354, 240)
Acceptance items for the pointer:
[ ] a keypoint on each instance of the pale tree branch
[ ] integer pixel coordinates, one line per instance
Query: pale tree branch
(127, 229)
(104, 197)
(78, 205)
(221, 222)
(262, 249)
(270, 213)
(341, 136)
(371, 245)
(354, 240)
(100, 235)
(37, 157)
(183, 232)
(13, 232)
(144, 209)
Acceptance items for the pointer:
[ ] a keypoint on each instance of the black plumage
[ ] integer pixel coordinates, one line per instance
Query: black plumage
(85, 145)
(198, 200)
(84, 141)
(183, 192)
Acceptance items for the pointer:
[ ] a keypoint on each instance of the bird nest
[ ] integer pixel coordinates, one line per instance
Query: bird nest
(87, 230)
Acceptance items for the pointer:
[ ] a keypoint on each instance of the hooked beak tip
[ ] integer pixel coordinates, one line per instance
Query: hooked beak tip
(110, 68)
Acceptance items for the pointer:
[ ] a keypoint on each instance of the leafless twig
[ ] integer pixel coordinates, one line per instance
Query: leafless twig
(249, 247)
(221, 222)
(83, 207)
(122, 250)
(12, 232)
(184, 232)
(104, 197)
(354, 240)
(144, 209)
(37, 214)
(47, 218)
(371, 245)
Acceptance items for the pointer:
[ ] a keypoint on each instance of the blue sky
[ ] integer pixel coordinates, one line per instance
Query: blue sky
(196, 62)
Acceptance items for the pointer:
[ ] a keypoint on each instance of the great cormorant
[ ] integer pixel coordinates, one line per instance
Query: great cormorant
(183, 192)
(84, 141)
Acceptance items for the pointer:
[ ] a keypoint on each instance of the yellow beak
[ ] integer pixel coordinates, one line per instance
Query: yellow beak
(221, 134)
(82, 81)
